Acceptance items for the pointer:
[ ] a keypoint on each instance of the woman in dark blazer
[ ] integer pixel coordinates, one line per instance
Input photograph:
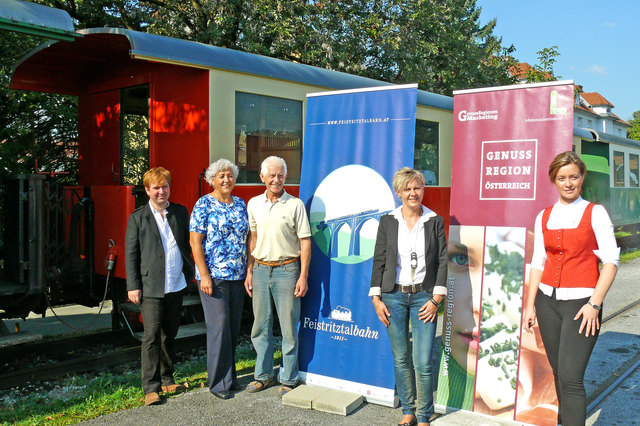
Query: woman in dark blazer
(408, 283)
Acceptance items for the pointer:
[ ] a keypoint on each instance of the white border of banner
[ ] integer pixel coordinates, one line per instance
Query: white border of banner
(512, 87)
(365, 89)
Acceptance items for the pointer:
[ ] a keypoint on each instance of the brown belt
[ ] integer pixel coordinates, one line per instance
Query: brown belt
(415, 288)
(274, 263)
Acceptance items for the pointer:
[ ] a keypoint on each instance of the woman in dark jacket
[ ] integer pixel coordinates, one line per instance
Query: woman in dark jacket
(408, 283)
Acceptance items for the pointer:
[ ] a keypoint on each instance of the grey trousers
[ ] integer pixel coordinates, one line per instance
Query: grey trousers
(222, 314)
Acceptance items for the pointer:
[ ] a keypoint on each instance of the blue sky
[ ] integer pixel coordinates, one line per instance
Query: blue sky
(598, 42)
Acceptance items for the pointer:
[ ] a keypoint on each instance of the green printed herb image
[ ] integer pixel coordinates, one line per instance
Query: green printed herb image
(504, 267)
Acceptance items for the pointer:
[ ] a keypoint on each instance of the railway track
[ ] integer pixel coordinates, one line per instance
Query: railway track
(69, 356)
(125, 349)
(621, 373)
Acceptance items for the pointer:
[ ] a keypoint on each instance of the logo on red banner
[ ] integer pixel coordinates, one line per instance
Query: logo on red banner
(508, 170)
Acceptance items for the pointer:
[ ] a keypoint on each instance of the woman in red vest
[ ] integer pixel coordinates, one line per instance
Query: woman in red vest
(566, 285)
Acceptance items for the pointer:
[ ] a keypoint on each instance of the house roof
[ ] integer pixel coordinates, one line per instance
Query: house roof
(71, 64)
(521, 69)
(595, 99)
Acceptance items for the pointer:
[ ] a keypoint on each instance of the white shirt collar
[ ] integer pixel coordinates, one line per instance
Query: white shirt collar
(426, 214)
(571, 205)
(155, 211)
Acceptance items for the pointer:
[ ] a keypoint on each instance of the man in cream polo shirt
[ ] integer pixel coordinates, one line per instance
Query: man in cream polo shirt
(280, 249)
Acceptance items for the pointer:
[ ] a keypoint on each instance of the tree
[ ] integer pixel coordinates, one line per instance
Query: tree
(33, 126)
(543, 70)
(438, 44)
(634, 131)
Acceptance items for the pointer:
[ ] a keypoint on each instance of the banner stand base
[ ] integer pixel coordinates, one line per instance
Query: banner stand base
(372, 394)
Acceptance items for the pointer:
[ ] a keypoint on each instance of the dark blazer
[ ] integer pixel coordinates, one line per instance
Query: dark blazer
(143, 251)
(385, 256)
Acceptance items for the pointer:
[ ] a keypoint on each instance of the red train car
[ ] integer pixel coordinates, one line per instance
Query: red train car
(147, 100)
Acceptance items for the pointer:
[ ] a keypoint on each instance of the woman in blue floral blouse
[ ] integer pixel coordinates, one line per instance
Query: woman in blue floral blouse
(218, 234)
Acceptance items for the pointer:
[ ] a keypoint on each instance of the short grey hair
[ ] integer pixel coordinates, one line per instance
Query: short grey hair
(274, 161)
(218, 166)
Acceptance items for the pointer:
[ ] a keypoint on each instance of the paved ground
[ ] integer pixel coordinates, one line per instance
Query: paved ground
(618, 347)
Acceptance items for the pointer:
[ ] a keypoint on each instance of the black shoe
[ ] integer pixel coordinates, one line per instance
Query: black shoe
(235, 386)
(222, 394)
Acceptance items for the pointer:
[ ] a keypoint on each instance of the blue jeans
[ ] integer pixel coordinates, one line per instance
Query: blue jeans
(278, 282)
(411, 363)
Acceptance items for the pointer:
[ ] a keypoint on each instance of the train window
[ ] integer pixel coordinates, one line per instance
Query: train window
(134, 134)
(618, 172)
(266, 126)
(426, 155)
(633, 171)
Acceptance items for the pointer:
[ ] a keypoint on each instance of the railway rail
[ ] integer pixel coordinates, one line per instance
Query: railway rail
(75, 355)
(622, 372)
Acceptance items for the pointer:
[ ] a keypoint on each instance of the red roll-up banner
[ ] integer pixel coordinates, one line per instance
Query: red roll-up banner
(503, 141)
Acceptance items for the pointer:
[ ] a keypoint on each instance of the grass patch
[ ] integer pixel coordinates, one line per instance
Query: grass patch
(628, 255)
(85, 397)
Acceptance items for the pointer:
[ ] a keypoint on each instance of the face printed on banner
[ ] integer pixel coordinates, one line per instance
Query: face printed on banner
(465, 254)
(568, 183)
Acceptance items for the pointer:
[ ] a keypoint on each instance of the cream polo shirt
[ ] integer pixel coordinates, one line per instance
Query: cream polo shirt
(279, 225)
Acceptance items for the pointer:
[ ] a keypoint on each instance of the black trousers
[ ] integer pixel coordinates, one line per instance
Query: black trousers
(161, 319)
(223, 315)
(568, 353)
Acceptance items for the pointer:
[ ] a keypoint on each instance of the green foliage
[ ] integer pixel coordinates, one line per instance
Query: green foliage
(33, 126)
(543, 70)
(626, 256)
(440, 45)
(633, 132)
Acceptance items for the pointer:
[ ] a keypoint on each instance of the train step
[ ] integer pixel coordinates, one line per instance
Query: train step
(19, 338)
(185, 331)
(186, 301)
(196, 328)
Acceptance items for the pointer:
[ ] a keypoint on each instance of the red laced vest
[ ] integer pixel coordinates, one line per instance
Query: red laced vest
(570, 258)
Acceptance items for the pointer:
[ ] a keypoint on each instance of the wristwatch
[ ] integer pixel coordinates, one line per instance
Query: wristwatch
(594, 306)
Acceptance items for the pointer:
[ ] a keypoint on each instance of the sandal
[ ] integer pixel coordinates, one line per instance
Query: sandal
(258, 385)
(284, 389)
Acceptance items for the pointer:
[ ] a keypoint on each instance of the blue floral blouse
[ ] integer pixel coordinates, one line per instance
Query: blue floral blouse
(225, 227)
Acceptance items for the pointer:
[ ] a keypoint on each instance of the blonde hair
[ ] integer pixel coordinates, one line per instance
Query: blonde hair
(564, 159)
(156, 175)
(404, 176)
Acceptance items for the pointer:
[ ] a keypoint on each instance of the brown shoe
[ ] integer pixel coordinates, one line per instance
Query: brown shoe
(152, 398)
(173, 388)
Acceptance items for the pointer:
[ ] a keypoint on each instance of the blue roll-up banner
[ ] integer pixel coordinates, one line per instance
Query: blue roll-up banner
(355, 140)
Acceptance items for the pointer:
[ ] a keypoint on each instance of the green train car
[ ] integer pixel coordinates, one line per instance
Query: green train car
(613, 179)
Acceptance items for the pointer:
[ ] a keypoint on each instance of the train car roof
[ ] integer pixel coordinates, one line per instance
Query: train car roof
(63, 67)
(604, 137)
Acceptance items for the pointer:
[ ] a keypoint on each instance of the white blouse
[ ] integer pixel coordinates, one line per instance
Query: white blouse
(568, 216)
(408, 241)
